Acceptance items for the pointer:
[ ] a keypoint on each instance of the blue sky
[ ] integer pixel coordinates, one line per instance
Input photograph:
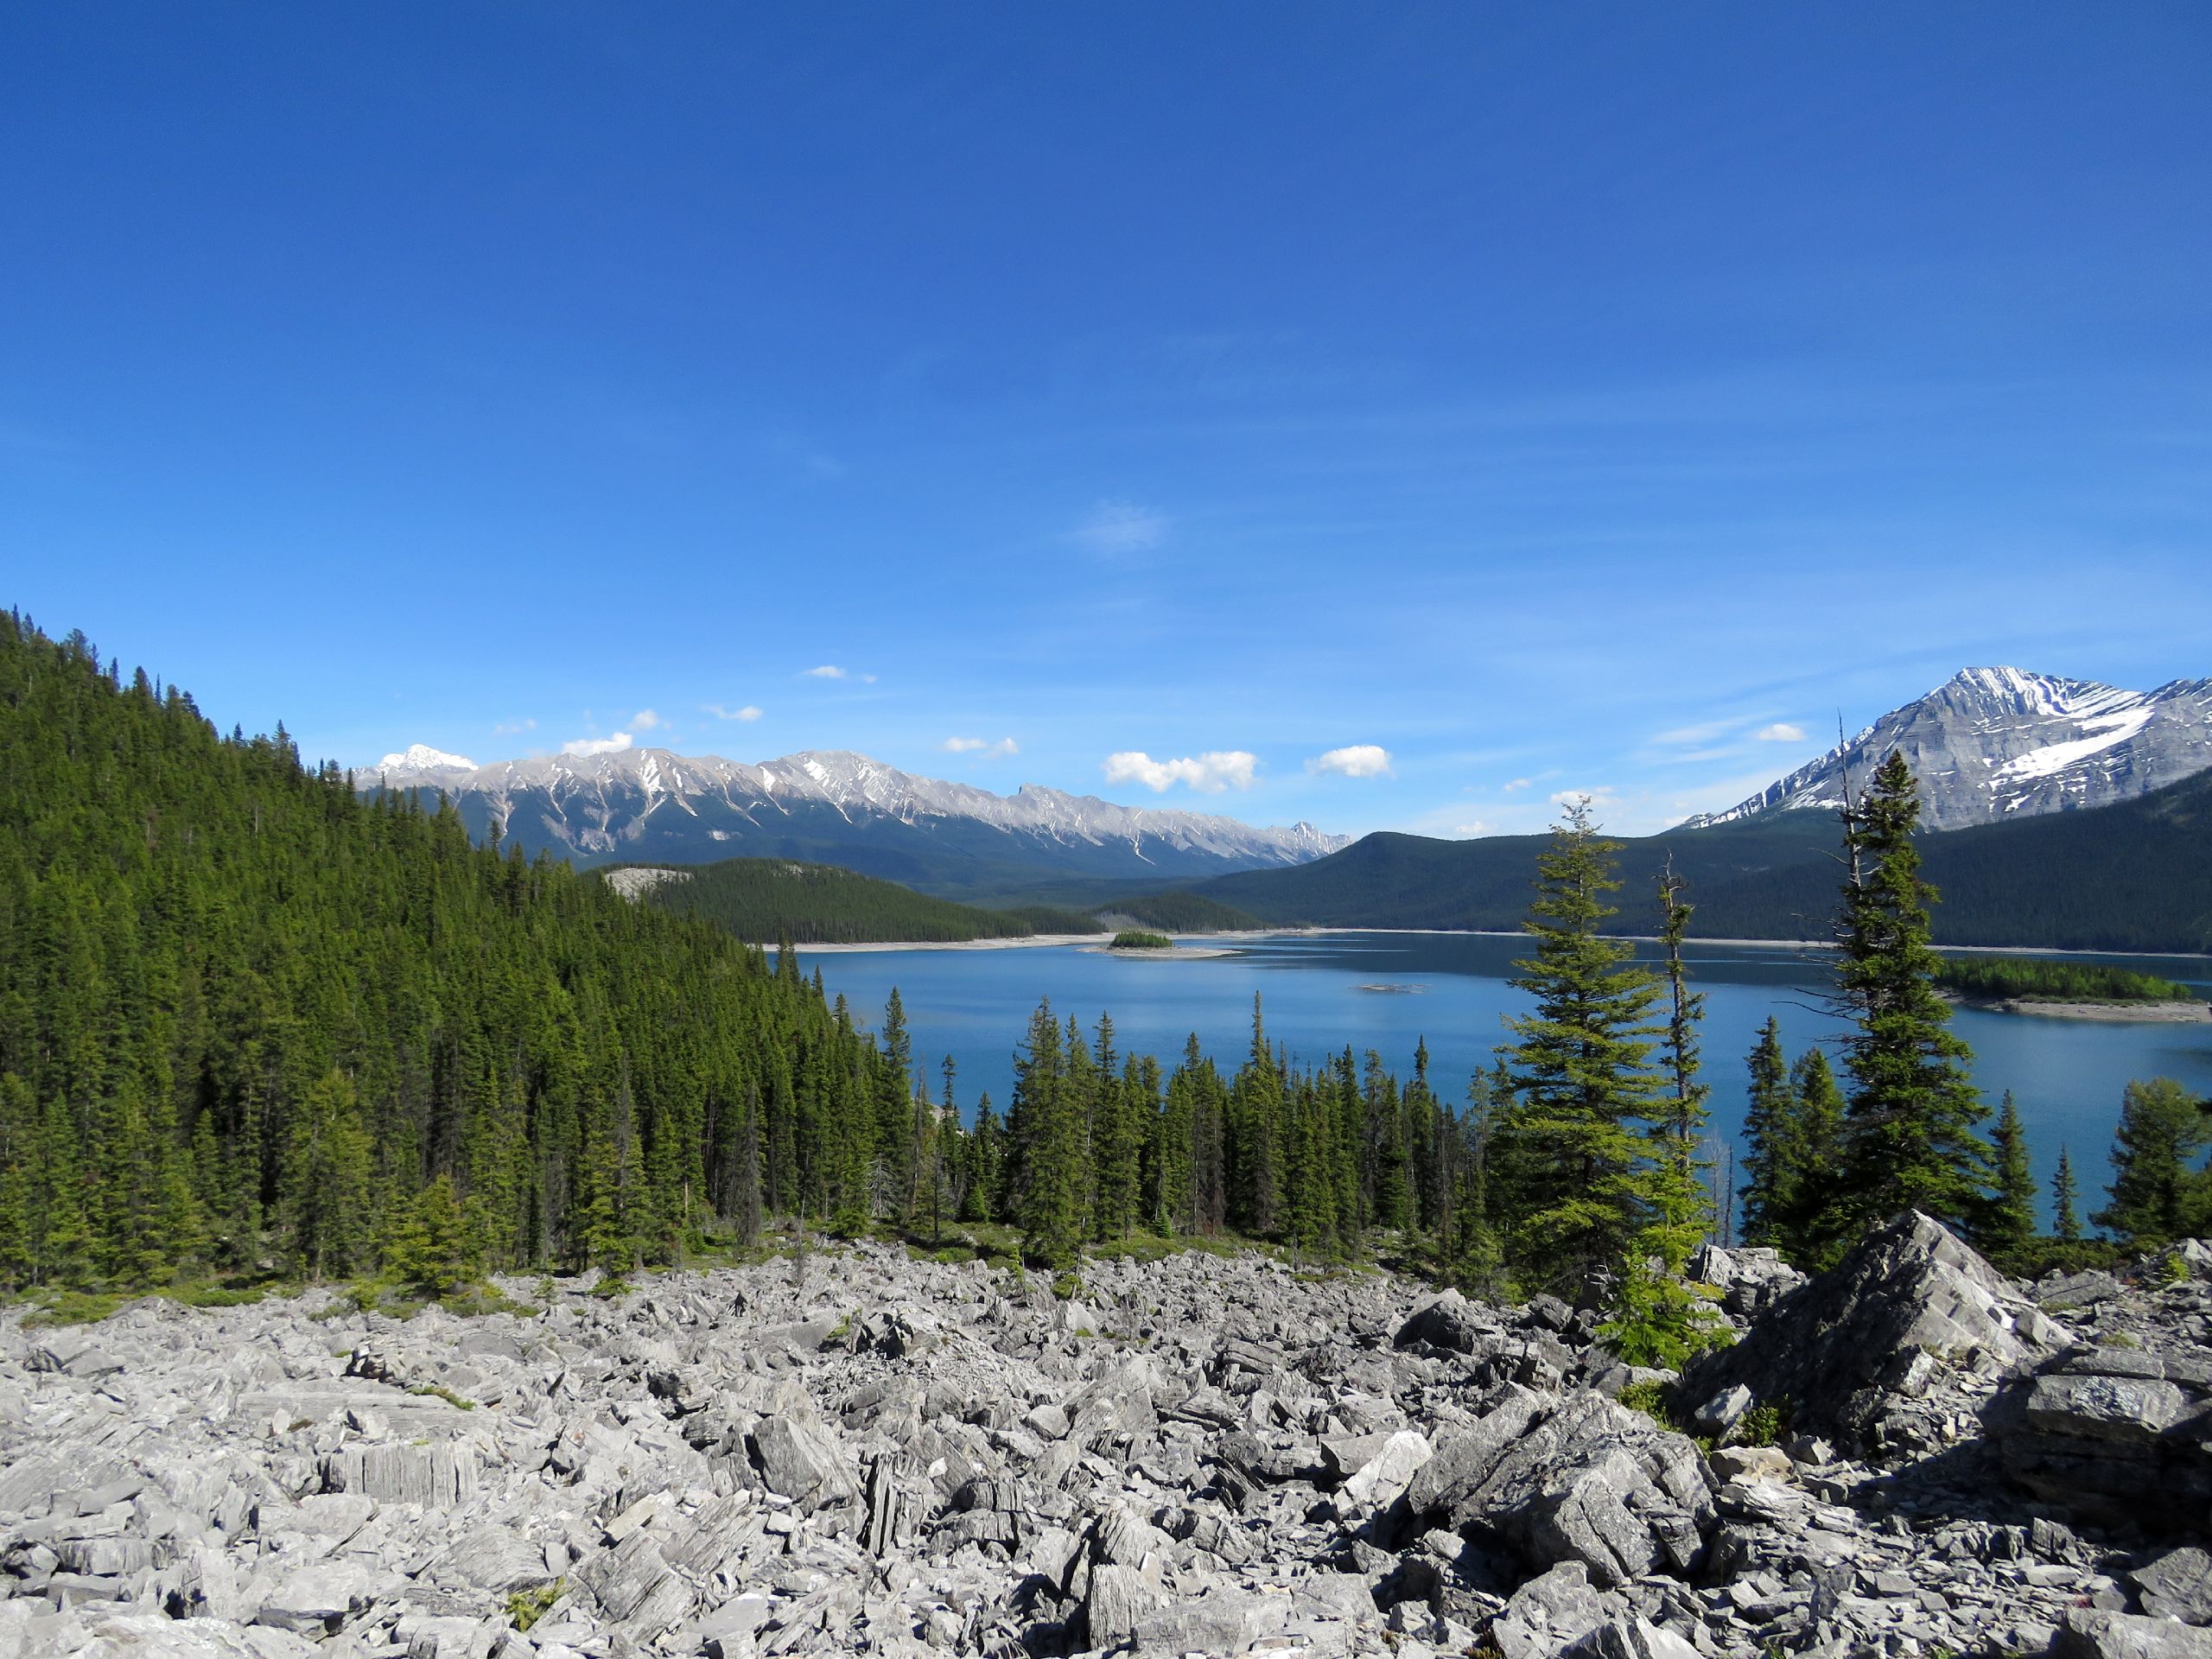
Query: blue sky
(1550, 398)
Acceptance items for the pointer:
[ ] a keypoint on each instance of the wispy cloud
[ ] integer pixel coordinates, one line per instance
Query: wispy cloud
(644, 720)
(748, 712)
(831, 671)
(587, 745)
(509, 728)
(1121, 527)
(1354, 760)
(1780, 732)
(1518, 784)
(982, 749)
(1209, 773)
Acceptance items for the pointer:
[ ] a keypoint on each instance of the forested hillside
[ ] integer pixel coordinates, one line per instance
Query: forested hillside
(765, 900)
(247, 1016)
(2132, 876)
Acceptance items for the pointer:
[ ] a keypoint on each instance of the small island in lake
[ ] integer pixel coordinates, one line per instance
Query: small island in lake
(1136, 939)
(2076, 990)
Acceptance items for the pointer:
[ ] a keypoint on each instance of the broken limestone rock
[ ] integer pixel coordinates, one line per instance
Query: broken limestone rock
(1852, 1353)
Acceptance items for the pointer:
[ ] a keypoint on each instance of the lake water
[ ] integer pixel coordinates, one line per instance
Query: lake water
(2066, 1074)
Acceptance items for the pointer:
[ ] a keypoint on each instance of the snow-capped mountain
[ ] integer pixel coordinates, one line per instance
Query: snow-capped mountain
(653, 806)
(1995, 743)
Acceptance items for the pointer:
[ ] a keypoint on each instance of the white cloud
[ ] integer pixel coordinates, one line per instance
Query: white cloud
(1121, 527)
(644, 720)
(719, 713)
(1209, 773)
(1478, 828)
(509, 728)
(614, 745)
(981, 746)
(831, 671)
(1518, 783)
(1604, 795)
(1780, 732)
(1355, 760)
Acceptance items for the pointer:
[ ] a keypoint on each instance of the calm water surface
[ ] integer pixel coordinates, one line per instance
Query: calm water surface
(1450, 989)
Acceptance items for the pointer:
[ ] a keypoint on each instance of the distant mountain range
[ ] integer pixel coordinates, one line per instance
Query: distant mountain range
(1991, 744)
(2063, 814)
(834, 807)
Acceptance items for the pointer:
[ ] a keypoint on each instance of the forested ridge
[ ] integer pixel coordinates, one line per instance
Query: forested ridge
(2131, 876)
(765, 900)
(248, 1017)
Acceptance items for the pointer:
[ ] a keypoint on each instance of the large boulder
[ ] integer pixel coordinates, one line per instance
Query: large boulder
(1581, 1479)
(2092, 1633)
(2114, 1434)
(1853, 1353)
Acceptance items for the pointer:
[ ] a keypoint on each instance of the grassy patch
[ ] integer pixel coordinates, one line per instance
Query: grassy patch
(526, 1607)
(439, 1392)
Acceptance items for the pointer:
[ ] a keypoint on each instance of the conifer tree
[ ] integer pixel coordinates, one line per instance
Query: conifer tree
(2008, 1221)
(1045, 1140)
(986, 1175)
(430, 1249)
(327, 1178)
(1909, 1139)
(1581, 1069)
(1657, 1318)
(2158, 1187)
(1805, 1228)
(1253, 1137)
(2066, 1217)
(1770, 1130)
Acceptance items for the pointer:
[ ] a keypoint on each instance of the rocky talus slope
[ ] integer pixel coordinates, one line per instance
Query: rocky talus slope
(867, 1454)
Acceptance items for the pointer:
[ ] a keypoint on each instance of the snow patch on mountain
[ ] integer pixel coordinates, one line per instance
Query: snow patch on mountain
(1991, 743)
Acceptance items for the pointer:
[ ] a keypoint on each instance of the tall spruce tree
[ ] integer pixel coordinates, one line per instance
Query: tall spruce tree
(2007, 1224)
(2065, 1202)
(2158, 1187)
(1658, 1319)
(1909, 1139)
(1045, 1136)
(1770, 1130)
(1579, 1066)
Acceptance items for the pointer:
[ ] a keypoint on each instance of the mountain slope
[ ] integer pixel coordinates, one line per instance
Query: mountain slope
(247, 1016)
(832, 807)
(1995, 743)
(2132, 876)
(765, 900)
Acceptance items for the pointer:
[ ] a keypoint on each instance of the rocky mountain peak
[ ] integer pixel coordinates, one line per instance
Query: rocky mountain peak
(1998, 742)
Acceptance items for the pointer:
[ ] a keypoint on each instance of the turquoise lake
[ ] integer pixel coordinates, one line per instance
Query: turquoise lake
(1450, 989)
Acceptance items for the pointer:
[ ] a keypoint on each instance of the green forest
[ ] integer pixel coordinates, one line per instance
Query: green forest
(254, 1026)
(2064, 982)
(762, 900)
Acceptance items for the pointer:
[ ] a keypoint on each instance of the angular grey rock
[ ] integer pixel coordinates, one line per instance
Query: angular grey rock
(317, 1600)
(1590, 1482)
(1630, 1638)
(1221, 1620)
(436, 1477)
(1448, 1321)
(1548, 1611)
(802, 1461)
(2094, 1633)
(2177, 1584)
(2105, 1432)
(1851, 1350)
